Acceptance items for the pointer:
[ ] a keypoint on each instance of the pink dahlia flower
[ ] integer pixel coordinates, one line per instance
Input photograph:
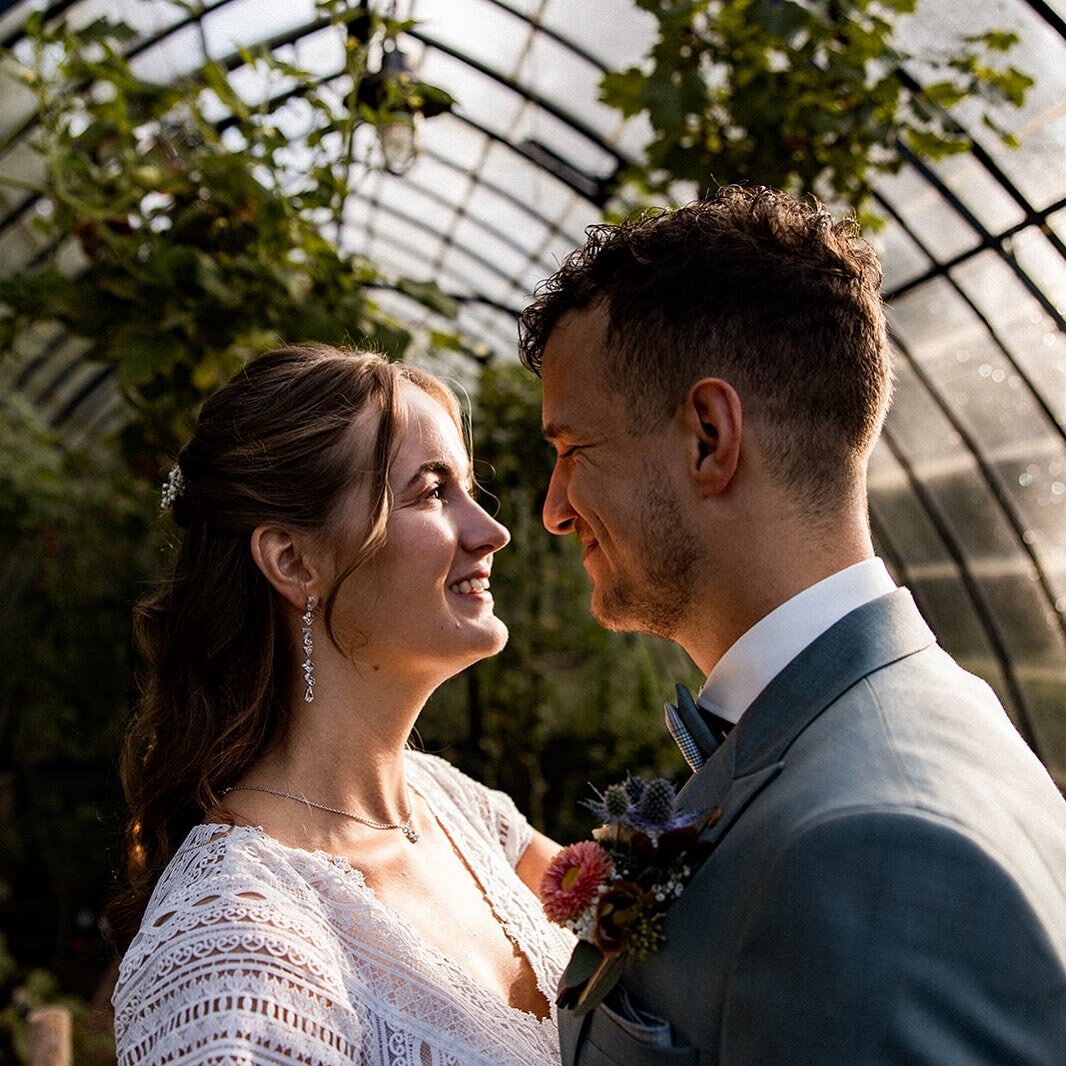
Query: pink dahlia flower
(571, 880)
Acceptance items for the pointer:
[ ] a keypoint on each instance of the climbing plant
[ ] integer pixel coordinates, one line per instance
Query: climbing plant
(188, 227)
(812, 96)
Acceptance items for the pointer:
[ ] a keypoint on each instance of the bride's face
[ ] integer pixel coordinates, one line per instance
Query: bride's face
(422, 603)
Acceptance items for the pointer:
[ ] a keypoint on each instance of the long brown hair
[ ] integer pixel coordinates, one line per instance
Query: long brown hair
(282, 442)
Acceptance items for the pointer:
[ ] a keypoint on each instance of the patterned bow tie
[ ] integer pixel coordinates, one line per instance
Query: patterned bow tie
(697, 731)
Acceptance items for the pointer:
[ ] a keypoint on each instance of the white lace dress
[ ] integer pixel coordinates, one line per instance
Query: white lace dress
(254, 952)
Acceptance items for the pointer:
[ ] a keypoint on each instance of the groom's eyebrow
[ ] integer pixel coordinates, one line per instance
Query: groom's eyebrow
(554, 430)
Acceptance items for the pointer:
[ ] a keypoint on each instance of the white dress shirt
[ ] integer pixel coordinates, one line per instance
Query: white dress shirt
(774, 641)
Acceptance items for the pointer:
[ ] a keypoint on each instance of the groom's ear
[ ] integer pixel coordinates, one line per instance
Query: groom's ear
(713, 419)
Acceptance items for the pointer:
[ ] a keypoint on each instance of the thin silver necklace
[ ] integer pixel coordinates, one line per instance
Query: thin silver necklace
(404, 827)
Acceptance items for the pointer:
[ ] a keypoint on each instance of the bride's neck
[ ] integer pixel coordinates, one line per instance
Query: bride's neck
(345, 748)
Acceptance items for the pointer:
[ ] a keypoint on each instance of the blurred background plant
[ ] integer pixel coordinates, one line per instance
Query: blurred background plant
(185, 230)
(816, 97)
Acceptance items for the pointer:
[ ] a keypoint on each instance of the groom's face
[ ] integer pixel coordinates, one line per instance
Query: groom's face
(614, 490)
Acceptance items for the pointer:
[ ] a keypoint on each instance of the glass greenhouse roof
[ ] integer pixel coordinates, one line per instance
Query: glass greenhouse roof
(969, 484)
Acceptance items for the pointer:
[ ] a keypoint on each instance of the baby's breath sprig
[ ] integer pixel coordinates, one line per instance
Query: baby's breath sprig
(173, 487)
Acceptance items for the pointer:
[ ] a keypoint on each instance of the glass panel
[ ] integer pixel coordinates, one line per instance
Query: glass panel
(481, 30)
(1027, 330)
(1035, 480)
(913, 537)
(933, 221)
(1045, 690)
(1043, 263)
(985, 197)
(569, 82)
(901, 259)
(396, 258)
(616, 34)
(482, 278)
(19, 104)
(388, 228)
(918, 424)
(1057, 222)
(243, 22)
(946, 605)
(502, 255)
(419, 203)
(449, 184)
(525, 182)
(177, 54)
(578, 215)
(976, 378)
(537, 125)
(321, 52)
(506, 216)
(1028, 630)
(485, 101)
(18, 245)
(454, 140)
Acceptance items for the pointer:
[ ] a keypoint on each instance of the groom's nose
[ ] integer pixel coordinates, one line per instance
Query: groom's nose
(558, 516)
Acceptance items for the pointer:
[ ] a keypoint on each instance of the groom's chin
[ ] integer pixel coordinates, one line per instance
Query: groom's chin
(614, 614)
(623, 615)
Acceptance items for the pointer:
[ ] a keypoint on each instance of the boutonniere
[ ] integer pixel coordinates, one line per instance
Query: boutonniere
(613, 891)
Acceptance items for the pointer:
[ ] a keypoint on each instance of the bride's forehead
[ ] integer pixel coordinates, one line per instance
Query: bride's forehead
(427, 426)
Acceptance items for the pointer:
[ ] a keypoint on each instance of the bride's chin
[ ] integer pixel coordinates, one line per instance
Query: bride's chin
(496, 639)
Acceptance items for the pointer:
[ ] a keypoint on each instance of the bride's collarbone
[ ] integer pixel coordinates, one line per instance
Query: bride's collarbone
(429, 886)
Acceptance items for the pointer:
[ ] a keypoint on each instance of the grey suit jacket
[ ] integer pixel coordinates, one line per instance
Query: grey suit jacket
(888, 883)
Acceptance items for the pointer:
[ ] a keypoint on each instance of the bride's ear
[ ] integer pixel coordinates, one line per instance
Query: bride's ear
(281, 557)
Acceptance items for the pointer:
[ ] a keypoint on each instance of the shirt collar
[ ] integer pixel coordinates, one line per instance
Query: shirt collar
(775, 640)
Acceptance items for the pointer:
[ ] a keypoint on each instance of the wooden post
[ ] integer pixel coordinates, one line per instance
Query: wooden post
(50, 1043)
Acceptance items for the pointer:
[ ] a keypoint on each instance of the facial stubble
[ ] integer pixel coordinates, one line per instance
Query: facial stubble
(655, 598)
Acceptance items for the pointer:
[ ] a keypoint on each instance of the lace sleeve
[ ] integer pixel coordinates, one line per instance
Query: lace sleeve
(493, 809)
(229, 978)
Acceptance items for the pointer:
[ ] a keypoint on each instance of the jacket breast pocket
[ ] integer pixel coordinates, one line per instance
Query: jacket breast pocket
(612, 1039)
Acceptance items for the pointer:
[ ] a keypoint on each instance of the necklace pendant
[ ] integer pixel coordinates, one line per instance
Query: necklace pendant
(411, 833)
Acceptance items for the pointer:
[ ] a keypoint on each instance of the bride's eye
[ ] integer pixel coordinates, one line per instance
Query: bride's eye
(436, 492)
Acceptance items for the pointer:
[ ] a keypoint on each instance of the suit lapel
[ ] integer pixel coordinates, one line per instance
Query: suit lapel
(870, 637)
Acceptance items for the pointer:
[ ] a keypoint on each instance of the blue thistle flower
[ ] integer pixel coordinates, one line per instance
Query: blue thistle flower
(656, 807)
(634, 787)
(616, 801)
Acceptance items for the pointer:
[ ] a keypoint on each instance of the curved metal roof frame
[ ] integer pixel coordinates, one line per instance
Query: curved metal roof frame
(942, 469)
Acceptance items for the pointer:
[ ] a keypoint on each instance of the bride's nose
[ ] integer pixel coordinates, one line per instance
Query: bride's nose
(482, 533)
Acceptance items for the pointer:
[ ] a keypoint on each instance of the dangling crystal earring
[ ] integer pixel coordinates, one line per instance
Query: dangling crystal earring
(309, 647)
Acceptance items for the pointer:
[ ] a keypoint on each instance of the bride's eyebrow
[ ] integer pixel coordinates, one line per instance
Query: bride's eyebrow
(442, 468)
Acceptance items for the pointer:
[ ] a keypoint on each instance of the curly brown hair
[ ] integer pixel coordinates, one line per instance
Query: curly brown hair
(755, 287)
(282, 442)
